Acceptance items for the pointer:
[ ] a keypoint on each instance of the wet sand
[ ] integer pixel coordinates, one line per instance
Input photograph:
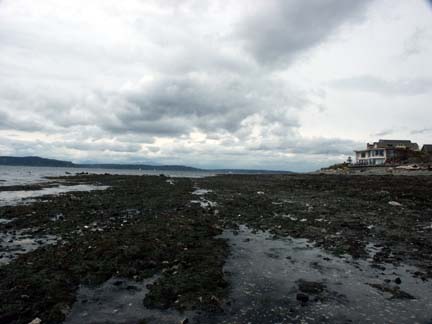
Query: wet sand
(226, 249)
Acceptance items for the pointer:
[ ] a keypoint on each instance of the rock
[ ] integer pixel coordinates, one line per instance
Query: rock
(37, 320)
(310, 287)
(118, 282)
(302, 298)
(392, 292)
(63, 308)
(398, 280)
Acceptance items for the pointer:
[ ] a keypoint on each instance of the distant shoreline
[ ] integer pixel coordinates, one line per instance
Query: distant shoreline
(34, 161)
(379, 171)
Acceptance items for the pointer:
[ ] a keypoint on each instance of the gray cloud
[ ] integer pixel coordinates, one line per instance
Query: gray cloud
(280, 30)
(368, 83)
(195, 82)
(384, 132)
(414, 44)
(100, 145)
(173, 106)
(315, 146)
(94, 151)
(421, 131)
(19, 122)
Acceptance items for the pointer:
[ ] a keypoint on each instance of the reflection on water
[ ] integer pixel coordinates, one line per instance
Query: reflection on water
(203, 202)
(11, 175)
(119, 301)
(278, 281)
(8, 198)
(290, 281)
(15, 243)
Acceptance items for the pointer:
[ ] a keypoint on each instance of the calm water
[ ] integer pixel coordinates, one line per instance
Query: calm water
(265, 272)
(264, 275)
(8, 198)
(11, 175)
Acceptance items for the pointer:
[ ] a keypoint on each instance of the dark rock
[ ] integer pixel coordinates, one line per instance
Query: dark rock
(310, 287)
(303, 298)
(118, 282)
(396, 292)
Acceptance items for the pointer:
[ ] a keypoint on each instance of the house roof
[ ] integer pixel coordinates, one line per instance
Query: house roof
(386, 143)
(374, 149)
(394, 141)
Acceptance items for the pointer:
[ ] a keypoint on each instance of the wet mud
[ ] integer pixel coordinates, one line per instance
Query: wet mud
(225, 249)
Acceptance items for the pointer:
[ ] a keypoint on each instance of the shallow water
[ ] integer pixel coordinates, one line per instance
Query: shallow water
(8, 198)
(6, 221)
(14, 175)
(12, 244)
(201, 192)
(265, 275)
(119, 301)
(202, 201)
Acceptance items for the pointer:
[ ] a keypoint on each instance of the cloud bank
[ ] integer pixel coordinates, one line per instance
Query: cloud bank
(205, 83)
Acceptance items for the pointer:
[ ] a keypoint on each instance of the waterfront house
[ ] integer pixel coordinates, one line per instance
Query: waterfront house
(427, 148)
(385, 152)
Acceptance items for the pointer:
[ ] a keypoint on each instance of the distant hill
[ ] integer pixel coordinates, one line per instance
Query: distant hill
(139, 167)
(33, 161)
(42, 162)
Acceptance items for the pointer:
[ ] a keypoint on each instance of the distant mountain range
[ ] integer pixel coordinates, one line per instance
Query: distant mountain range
(36, 161)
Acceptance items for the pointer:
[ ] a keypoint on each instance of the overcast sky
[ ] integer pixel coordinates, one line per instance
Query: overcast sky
(275, 84)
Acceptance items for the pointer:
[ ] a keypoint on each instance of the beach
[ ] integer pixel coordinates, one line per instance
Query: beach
(221, 249)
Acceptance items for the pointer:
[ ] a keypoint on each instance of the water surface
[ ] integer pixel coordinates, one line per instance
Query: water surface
(23, 175)
(265, 275)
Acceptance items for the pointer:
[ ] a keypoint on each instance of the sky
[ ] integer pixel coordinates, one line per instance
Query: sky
(260, 84)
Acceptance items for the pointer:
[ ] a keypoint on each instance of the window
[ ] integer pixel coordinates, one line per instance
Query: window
(363, 154)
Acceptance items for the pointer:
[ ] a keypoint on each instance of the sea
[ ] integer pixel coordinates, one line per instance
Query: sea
(22, 175)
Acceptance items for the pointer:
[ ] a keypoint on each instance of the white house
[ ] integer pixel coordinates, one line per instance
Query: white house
(384, 151)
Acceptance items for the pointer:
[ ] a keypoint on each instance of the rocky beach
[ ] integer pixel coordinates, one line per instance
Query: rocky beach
(224, 249)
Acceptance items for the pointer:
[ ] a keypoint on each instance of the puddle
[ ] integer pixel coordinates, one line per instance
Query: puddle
(8, 198)
(266, 275)
(201, 192)
(372, 250)
(15, 243)
(6, 221)
(119, 301)
(203, 202)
